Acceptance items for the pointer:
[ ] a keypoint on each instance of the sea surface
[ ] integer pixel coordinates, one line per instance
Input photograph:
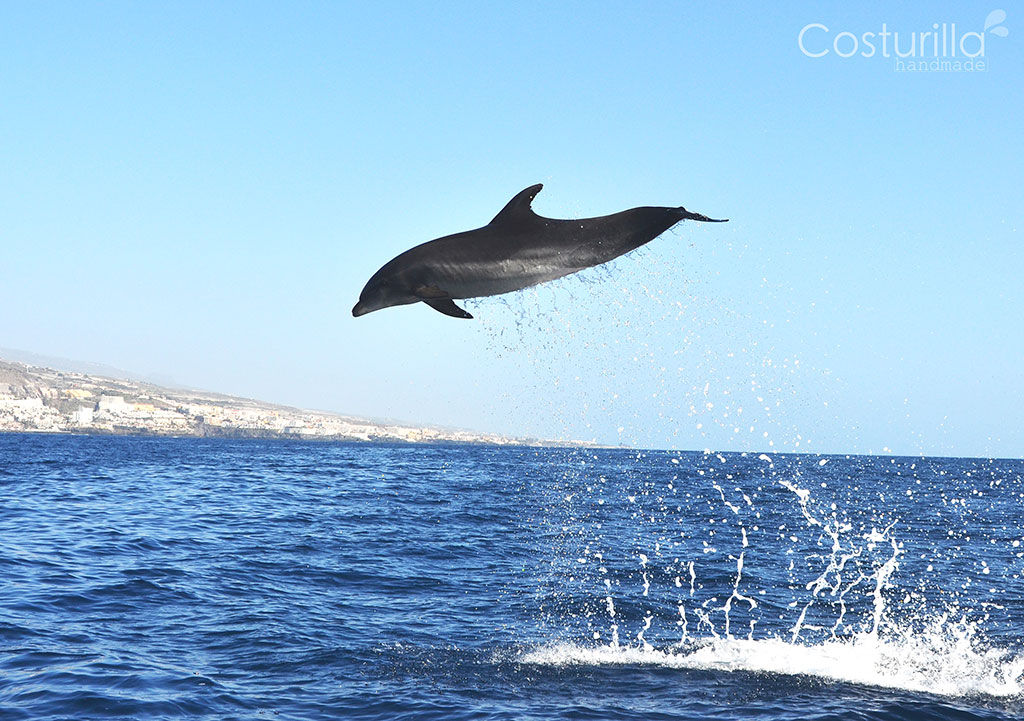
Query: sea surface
(213, 579)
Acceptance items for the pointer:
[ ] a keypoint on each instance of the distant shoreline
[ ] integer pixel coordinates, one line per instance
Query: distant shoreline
(306, 439)
(36, 399)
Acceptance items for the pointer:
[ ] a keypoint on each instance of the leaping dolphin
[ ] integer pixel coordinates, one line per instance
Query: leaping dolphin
(515, 250)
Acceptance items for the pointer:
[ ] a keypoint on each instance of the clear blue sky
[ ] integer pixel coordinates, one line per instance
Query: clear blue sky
(199, 191)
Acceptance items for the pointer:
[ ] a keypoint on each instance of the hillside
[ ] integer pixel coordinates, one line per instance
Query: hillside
(40, 399)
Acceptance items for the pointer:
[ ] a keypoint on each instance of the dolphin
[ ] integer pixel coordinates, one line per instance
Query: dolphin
(515, 250)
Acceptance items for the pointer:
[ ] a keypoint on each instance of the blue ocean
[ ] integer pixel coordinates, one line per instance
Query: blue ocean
(215, 579)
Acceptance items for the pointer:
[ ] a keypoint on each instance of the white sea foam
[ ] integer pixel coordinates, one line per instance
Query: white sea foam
(788, 584)
(946, 659)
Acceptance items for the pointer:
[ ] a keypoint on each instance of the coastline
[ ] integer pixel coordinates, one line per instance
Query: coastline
(37, 399)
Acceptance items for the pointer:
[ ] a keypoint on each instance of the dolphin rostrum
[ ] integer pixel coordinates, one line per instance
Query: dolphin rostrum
(515, 250)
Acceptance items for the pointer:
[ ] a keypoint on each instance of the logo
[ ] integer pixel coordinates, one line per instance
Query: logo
(943, 48)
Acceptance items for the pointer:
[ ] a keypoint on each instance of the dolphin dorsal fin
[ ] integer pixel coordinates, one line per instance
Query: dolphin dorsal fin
(518, 209)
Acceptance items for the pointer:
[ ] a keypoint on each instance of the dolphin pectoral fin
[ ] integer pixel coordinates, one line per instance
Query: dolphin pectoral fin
(440, 301)
(446, 306)
(429, 292)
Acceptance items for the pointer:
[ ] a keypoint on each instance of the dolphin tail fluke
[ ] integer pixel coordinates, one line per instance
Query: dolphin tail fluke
(687, 215)
(446, 306)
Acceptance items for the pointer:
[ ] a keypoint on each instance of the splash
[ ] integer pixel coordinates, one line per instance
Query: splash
(642, 352)
(782, 565)
(947, 659)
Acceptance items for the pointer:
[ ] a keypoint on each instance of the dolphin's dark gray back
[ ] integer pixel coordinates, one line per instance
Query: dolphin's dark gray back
(584, 242)
(517, 249)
